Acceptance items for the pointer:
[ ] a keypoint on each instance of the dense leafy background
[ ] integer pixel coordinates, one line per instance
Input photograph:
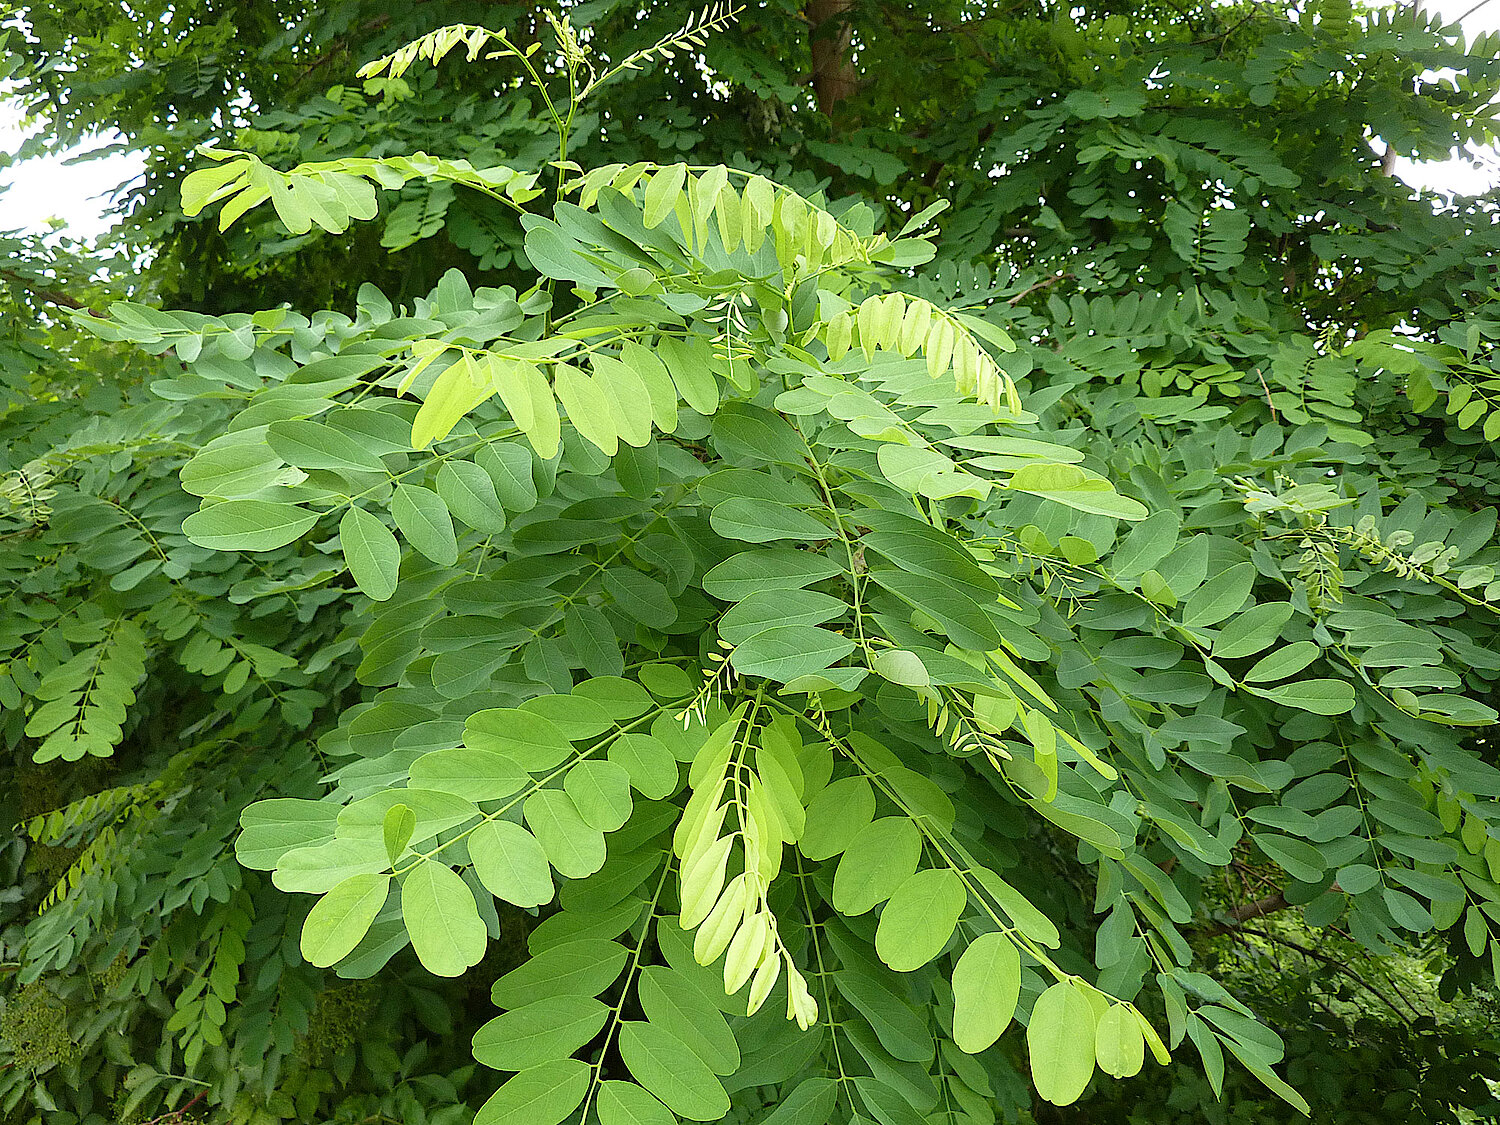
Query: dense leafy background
(1219, 302)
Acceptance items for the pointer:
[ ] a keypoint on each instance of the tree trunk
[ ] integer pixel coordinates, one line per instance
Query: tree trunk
(833, 74)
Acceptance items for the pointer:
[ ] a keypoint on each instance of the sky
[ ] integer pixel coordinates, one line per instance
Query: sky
(43, 190)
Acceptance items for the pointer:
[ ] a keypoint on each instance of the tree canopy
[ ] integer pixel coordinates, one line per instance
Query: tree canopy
(799, 562)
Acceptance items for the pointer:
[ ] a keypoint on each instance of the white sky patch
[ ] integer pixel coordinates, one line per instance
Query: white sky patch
(1476, 171)
(38, 194)
(46, 192)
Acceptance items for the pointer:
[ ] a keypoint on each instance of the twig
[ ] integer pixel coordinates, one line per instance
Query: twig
(176, 1114)
(51, 296)
(1046, 281)
(1332, 962)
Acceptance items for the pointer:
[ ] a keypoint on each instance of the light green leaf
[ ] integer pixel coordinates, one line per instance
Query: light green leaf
(662, 194)
(1077, 488)
(1060, 1039)
(540, 1032)
(440, 915)
(882, 856)
(422, 518)
(600, 792)
(510, 863)
(651, 765)
(588, 407)
(835, 817)
(573, 847)
(986, 988)
(543, 1095)
(371, 551)
(664, 1064)
(342, 917)
(1119, 1045)
(919, 919)
(247, 525)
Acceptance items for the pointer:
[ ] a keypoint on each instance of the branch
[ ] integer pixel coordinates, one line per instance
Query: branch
(1316, 955)
(176, 1115)
(51, 296)
(1046, 281)
(1245, 911)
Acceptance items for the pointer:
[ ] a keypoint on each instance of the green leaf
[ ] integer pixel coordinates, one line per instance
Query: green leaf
(662, 194)
(510, 863)
(1220, 596)
(766, 609)
(664, 1065)
(474, 774)
(762, 521)
(600, 792)
(1119, 1045)
(312, 445)
(1297, 858)
(1283, 662)
(1252, 630)
(588, 407)
(625, 1103)
(342, 917)
(986, 988)
(541, 1032)
(583, 967)
(509, 466)
(781, 568)
(469, 493)
(1060, 1039)
(247, 525)
(919, 919)
(572, 846)
(1321, 697)
(1148, 543)
(543, 1095)
(835, 816)
(787, 651)
(1077, 488)
(400, 822)
(371, 551)
(270, 829)
(882, 856)
(651, 765)
(422, 518)
(811, 1103)
(672, 1001)
(440, 915)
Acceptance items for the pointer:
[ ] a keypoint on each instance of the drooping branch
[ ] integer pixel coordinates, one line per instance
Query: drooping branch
(1324, 959)
(43, 293)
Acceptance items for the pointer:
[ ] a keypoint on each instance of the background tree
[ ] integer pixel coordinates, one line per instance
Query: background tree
(1219, 302)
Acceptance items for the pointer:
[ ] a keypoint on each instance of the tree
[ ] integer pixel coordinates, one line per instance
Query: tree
(941, 625)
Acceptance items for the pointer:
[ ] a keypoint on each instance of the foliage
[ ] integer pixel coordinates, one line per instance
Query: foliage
(778, 646)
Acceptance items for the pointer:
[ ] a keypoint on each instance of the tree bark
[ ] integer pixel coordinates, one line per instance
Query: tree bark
(833, 75)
